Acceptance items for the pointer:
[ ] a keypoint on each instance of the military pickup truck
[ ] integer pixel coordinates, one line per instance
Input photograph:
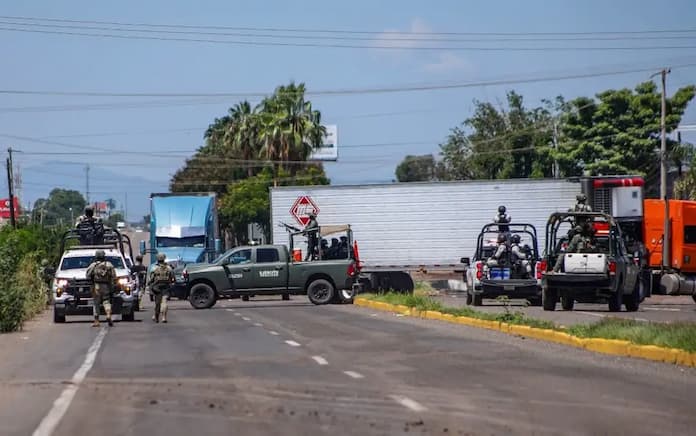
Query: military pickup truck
(514, 274)
(269, 270)
(600, 271)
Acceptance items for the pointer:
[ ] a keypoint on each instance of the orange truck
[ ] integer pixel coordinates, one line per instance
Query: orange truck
(678, 275)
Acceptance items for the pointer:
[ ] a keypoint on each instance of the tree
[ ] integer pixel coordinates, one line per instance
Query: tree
(56, 209)
(510, 142)
(619, 132)
(416, 169)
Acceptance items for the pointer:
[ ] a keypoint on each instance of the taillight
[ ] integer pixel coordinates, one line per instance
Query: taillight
(479, 270)
(541, 269)
(612, 267)
(351, 270)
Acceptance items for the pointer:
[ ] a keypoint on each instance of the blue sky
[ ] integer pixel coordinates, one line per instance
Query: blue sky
(36, 61)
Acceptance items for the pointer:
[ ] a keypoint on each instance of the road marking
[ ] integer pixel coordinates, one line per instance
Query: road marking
(258, 324)
(60, 406)
(246, 319)
(292, 343)
(237, 314)
(273, 333)
(641, 319)
(230, 310)
(663, 309)
(353, 374)
(320, 360)
(592, 314)
(408, 403)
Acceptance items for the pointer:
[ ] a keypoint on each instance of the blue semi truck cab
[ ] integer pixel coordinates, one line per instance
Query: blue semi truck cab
(183, 226)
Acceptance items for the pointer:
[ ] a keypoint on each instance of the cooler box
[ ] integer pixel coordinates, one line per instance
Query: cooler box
(585, 263)
(499, 274)
(297, 255)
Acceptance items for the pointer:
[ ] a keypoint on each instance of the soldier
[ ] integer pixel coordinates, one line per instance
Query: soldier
(160, 281)
(102, 274)
(312, 232)
(581, 242)
(140, 272)
(46, 273)
(502, 218)
(580, 204)
(519, 255)
(89, 228)
(494, 260)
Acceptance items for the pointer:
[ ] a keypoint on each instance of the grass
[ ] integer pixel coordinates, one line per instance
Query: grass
(680, 335)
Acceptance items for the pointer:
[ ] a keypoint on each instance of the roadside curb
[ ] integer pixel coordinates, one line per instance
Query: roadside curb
(605, 346)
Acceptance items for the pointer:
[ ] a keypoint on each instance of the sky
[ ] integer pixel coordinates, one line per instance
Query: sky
(134, 144)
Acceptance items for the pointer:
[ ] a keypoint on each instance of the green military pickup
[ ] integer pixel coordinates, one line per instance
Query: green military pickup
(268, 270)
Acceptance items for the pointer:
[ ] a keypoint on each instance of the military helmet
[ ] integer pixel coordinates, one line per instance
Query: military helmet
(515, 239)
(501, 237)
(44, 262)
(501, 209)
(139, 258)
(161, 257)
(89, 211)
(581, 198)
(99, 255)
(312, 215)
(577, 229)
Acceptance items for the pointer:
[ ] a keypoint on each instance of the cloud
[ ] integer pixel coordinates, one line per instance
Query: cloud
(446, 62)
(395, 38)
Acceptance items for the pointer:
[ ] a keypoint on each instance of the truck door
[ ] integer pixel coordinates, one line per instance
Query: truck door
(238, 267)
(631, 268)
(270, 272)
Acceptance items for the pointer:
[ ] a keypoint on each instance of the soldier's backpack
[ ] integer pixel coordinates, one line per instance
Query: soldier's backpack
(161, 275)
(102, 273)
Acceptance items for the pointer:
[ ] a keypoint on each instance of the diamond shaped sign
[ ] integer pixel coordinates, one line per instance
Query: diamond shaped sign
(302, 207)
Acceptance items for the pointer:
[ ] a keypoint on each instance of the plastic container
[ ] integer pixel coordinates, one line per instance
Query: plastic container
(297, 255)
(500, 274)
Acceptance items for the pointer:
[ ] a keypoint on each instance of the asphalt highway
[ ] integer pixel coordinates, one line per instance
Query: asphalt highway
(285, 368)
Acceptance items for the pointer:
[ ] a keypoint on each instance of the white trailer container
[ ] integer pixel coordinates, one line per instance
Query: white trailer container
(403, 226)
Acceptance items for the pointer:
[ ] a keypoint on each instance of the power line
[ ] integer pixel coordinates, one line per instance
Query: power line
(348, 91)
(342, 31)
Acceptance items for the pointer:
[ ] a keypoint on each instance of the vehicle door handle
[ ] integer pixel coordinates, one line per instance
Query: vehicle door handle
(246, 269)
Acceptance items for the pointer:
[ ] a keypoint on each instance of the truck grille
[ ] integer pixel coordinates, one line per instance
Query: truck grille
(81, 288)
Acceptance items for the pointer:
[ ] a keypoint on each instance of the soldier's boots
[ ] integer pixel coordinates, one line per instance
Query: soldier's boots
(155, 317)
(108, 318)
(96, 322)
(164, 317)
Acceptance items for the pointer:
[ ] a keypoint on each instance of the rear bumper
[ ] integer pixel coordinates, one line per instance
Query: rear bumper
(579, 282)
(514, 288)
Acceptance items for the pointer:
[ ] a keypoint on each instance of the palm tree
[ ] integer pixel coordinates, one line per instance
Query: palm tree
(242, 136)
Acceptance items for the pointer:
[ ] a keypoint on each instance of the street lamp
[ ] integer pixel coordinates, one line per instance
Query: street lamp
(72, 216)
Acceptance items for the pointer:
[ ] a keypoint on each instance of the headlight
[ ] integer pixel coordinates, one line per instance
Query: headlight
(61, 283)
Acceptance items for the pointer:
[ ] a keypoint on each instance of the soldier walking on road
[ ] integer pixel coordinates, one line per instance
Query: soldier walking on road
(102, 274)
(312, 232)
(140, 272)
(160, 282)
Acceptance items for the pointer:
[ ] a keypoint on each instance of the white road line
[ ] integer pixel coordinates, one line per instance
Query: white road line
(237, 314)
(320, 360)
(230, 310)
(246, 319)
(293, 343)
(592, 314)
(60, 406)
(663, 309)
(273, 333)
(408, 403)
(353, 374)
(641, 319)
(258, 324)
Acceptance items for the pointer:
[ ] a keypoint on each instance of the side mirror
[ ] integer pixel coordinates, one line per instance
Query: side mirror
(465, 260)
(142, 247)
(218, 246)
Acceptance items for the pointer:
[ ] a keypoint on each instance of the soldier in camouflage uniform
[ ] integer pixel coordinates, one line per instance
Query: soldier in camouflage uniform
(581, 204)
(160, 281)
(581, 242)
(102, 274)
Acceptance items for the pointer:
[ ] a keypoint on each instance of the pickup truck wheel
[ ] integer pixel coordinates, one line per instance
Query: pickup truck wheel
(286, 297)
(567, 303)
(549, 297)
(469, 299)
(245, 298)
(694, 297)
(320, 291)
(202, 296)
(478, 300)
(615, 300)
(129, 317)
(632, 302)
(58, 319)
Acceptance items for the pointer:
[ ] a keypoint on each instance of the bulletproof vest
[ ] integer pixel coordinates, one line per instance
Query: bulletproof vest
(91, 232)
(161, 274)
(102, 273)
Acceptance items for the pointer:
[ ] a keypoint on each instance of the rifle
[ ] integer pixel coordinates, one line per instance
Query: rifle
(288, 227)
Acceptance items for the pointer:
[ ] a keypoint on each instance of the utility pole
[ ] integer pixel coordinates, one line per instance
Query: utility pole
(556, 171)
(87, 183)
(663, 173)
(10, 187)
(125, 209)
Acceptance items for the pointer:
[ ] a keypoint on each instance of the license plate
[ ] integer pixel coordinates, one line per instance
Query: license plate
(509, 288)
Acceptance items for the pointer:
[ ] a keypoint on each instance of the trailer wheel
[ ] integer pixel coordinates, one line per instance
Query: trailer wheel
(202, 296)
(549, 298)
(320, 292)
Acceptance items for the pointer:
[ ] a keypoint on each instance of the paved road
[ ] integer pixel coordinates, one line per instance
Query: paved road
(272, 367)
(659, 308)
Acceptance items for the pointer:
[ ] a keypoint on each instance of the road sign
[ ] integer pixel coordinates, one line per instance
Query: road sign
(302, 207)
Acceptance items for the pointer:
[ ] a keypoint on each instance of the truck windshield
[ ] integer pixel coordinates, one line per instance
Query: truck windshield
(84, 261)
(191, 241)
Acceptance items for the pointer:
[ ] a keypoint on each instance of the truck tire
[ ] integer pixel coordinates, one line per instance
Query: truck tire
(469, 298)
(245, 298)
(202, 296)
(478, 299)
(694, 297)
(129, 317)
(632, 302)
(567, 303)
(286, 297)
(320, 291)
(549, 297)
(58, 319)
(615, 300)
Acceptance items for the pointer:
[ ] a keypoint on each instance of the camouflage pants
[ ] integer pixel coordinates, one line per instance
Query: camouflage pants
(161, 295)
(101, 295)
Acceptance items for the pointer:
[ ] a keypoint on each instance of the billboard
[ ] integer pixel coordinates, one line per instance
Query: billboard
(5, 208)
(329, 145)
